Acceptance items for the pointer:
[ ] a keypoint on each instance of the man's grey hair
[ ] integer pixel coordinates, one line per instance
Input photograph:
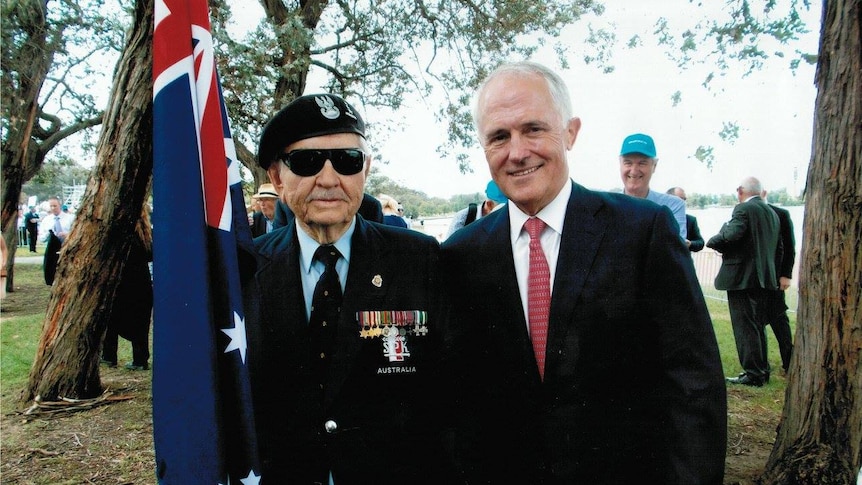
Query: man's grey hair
(751, 186)
(556, 86)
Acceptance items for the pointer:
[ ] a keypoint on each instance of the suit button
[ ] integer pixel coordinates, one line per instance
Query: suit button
(330, 426)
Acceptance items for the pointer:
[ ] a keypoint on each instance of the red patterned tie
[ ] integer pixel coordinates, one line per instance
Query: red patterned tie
(538, 292)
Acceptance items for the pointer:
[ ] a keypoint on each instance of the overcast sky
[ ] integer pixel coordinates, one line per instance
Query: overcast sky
(773, 107)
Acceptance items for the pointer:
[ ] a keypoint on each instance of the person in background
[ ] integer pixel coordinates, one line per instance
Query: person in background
(493, 199)
(131, 314)
(55, 222)
(22, 228)
(31, 222)
(695, 240)
(785, 258)
(748, 245)
(4, 253)
(637, 165)
(344, 318)
(263, 221)
(53, 230)
(588, 352)
(391, 216)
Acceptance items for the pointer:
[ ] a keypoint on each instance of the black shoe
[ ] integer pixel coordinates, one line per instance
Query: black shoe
(132, 366)
(107, 363)
(746, 380)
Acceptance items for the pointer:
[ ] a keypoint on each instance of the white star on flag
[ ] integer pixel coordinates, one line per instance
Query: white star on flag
(237, 337)
(251, 479)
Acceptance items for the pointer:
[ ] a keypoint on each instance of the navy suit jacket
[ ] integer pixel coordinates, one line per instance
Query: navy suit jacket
(386, 412)
(633, 389)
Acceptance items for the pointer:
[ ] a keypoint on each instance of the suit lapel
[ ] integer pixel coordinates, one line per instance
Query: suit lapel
(583, 230)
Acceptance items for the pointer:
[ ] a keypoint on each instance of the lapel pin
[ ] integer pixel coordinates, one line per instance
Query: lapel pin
(377, 280)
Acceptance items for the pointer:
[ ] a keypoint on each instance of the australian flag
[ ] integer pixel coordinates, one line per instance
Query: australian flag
(202, 417)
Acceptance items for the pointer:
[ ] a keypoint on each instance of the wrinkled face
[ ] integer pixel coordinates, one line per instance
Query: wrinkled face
(267, 206)
(327, 199)
(636, 171)
(54, 206)
(525, 139)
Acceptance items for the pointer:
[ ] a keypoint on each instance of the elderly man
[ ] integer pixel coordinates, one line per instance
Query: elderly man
(748, 245)
(53, 230)
(262, 221)
(345, 317)
(637, 164)
(589, 354)
(694, 240)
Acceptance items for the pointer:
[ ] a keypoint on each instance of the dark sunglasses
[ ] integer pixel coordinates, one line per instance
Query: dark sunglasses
(308, 162)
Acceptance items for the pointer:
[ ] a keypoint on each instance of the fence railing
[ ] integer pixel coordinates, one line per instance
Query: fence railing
(707, 264)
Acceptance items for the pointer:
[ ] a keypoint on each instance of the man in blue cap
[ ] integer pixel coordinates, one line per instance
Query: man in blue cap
(637, 164)
(493, 199)
(345, 317)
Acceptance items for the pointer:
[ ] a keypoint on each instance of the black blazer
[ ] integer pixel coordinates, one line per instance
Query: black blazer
(694, 237)
(785, 257)
(633, 389)
(258, 224)
(748, 245)
(386, 412)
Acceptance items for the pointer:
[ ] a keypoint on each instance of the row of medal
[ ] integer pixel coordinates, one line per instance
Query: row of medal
(390, 323)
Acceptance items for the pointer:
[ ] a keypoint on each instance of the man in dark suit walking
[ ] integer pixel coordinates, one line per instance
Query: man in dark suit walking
(785, 258)
(748, 244)
(589, 355)
(344, 318)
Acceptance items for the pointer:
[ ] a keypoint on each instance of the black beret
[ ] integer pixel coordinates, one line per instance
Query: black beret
(306, 117)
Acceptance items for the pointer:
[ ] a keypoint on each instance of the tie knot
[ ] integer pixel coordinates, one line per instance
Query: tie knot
(328, 255)
(534, 227)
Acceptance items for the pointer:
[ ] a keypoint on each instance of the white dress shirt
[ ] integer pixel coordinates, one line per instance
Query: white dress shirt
(553, 215)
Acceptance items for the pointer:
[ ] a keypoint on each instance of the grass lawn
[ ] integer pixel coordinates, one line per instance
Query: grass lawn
(113, 443)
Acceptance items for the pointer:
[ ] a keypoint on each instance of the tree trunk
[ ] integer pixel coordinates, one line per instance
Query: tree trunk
(820, 434)
(93, 256)
(18, 153)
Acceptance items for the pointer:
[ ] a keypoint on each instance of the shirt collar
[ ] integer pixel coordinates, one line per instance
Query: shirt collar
(307, 245)
(553, 214)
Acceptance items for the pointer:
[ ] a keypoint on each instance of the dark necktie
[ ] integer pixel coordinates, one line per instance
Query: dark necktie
(538, 292)
(325, 308)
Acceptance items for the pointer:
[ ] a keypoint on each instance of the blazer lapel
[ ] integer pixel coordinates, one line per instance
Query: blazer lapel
(508, 320)
(583, 230)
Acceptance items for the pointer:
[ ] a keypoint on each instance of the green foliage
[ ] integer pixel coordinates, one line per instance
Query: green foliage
(729, 132)
(385, 54)
(704, 155)
(56, 173)
(749, 35)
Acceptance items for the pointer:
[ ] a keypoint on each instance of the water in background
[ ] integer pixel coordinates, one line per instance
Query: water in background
(706, 262)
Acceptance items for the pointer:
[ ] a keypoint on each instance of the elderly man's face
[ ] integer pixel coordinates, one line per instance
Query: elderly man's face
(636, 171)
(267, 206)
(525, 140)
(328, 199)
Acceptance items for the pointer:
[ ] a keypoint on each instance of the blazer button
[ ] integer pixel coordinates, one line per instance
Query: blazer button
(330, 426)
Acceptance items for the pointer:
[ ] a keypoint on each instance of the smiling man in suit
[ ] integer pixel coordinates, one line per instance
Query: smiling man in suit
(345, 317)
(589, 354)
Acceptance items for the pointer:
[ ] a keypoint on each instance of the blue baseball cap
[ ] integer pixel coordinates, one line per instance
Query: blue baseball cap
(638, 143)
(492, 191)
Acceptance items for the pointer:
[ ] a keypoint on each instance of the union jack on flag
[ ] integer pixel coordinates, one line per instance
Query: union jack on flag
(202, 417)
